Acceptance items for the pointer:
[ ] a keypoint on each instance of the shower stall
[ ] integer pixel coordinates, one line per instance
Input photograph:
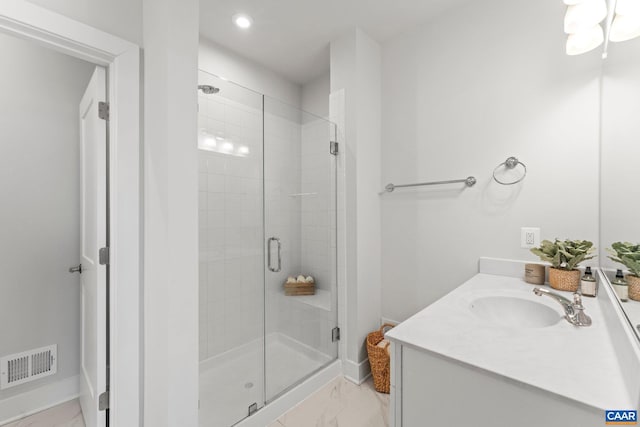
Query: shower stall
(267, 211)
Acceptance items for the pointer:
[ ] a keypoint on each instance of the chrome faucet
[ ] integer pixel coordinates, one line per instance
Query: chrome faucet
(573, 311)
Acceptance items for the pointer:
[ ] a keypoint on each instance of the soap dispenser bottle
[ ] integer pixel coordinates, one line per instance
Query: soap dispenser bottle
(620, 286)
(588, 285)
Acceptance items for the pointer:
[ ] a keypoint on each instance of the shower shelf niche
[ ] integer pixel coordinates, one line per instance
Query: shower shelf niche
(321, 300)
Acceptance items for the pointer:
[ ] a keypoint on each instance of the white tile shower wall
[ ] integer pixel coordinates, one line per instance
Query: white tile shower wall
(282, 138)
(316, 209)
(299, 201)
(230, 225)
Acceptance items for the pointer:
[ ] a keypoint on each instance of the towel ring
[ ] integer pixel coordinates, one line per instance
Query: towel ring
(510, 163)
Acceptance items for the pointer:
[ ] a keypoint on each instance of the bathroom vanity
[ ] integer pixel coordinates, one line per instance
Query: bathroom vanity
(492, 353)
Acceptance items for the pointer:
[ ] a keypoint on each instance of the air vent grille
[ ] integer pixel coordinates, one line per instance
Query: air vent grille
(21, 368)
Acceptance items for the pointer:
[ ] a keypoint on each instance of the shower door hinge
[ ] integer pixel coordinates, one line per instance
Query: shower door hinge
(103, 110)
(253, 408)
(333, 148)
(103, 401)
(103, 256)
(335, 334)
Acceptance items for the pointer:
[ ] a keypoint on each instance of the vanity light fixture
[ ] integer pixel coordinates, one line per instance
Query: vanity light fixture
(242, 21)
(626, 23)
(582, 24)
(584, 15)
(585, 40)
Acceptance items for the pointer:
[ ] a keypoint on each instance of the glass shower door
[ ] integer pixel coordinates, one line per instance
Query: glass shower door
(230, 158)
(300, 240)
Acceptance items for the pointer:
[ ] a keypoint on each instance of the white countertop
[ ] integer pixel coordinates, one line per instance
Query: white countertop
(576, 362)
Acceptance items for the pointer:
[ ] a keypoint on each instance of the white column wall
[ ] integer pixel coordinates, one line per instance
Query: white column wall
(355, 83)
(171, 213)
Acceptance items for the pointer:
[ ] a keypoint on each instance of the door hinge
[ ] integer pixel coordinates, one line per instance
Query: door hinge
(103, 401)
(103, 256)
(335, 334)
(103, 110)
(333, 148)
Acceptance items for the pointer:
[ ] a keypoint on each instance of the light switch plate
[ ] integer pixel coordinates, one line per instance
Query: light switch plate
(529, 237)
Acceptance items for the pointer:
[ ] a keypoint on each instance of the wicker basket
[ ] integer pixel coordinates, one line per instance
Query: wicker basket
(379, 360)
(299, 288)
(634, 287)
(564, 280)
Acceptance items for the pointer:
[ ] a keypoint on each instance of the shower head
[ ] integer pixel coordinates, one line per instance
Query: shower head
(208, 90)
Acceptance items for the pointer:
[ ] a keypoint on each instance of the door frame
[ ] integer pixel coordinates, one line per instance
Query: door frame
(122, 60)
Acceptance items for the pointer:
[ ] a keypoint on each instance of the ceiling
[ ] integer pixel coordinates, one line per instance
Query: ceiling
(291, 37)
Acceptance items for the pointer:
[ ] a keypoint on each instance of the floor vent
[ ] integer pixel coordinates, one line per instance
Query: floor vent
(28, 366)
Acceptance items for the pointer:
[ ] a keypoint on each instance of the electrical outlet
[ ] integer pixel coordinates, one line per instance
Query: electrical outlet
(529, 237)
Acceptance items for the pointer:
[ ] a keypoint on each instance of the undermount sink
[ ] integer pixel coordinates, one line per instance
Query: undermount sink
(514, 312)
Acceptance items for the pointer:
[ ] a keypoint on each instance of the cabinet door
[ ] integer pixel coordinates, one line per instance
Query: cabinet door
(437, 391)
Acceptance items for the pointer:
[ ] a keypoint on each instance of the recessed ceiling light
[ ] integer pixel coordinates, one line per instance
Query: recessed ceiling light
(243, 21)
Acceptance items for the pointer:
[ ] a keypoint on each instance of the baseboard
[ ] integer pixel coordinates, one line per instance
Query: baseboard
(356, 372)
(387, 320)
(37, 400)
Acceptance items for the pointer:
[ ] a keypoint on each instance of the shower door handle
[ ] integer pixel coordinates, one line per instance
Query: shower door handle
(269, 241)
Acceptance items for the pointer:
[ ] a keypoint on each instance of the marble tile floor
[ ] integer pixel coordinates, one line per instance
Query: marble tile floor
(340, 404)
(67, 414)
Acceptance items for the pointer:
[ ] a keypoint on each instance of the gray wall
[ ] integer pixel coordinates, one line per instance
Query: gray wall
(460, 94)
(39, 214)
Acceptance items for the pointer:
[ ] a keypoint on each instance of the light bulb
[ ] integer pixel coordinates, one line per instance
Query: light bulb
(584, 15)
(585, 40)
(243, 21)
(624, 27)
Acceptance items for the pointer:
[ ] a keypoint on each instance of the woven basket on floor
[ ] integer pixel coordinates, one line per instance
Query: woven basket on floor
(379, 359)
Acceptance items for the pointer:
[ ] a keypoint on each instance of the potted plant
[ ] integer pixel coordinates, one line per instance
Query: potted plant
(628, 255)
(564, 256)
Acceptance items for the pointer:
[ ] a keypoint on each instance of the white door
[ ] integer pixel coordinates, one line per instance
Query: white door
(93, 158)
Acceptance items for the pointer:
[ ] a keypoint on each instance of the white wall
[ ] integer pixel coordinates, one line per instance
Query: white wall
(40, 189)
(620, 148)
(122, 18)
(315, 96)
(460, 94)
(222, 62)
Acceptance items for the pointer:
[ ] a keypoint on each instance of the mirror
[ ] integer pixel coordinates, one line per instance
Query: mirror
(620, 159)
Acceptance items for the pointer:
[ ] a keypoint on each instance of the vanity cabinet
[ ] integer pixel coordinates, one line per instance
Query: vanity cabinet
(491, 353)
(431, 390)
